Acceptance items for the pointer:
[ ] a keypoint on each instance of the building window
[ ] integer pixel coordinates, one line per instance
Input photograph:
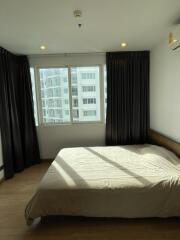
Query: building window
(67, 112)
(90, 113)
(74, 90)
(88, 88)
(89, 100)
(75, 102)
(65, 90)
(66, 101)
(65, 79)
(75, 113)
(88, 75)
(54, 103)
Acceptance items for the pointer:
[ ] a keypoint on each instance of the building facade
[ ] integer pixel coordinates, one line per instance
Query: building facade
(58, 98)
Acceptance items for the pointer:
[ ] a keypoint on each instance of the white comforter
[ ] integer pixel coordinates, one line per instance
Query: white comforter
(129, 182)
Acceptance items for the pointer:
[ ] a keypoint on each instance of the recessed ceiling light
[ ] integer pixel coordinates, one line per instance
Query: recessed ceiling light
(123, 44)
(42, 47)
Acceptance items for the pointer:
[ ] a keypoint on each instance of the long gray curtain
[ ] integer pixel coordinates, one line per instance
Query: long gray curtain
(127, 120)
(18, 131)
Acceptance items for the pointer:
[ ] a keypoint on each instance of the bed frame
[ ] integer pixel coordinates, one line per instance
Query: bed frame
(161, 140)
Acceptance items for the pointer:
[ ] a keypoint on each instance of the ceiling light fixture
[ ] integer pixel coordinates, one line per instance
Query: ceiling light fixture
(42, 47)
(123, 44)
(174, 38)
(173, 42)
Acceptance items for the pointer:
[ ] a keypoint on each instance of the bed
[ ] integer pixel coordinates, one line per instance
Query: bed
(135, 181)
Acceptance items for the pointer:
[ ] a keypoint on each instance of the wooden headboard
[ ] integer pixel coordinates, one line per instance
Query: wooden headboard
(161, 140)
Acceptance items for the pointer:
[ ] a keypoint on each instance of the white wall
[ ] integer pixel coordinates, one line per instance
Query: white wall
(53, 138)
(165, 91)
(1, 160)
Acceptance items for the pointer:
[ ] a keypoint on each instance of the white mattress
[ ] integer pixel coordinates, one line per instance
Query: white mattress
(120, 181)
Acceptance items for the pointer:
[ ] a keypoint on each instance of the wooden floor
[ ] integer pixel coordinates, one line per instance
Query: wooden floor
(15, 193)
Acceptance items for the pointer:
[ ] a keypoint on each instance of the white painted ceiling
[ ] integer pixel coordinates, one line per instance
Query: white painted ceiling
(27, 24)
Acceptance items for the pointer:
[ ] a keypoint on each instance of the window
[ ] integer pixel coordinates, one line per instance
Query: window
(73, 76)
(88, 88)
(89, 100)
(68, 97)
(34, 95)
(67, 112)
(66, 91)
(105, 91)
(75, 102)
(54, 94)
(87, 93)
(65, 79)
(90, 113)
(88, 75)
(74, 79)
(75, 113)
(66, 101)
(74, 91)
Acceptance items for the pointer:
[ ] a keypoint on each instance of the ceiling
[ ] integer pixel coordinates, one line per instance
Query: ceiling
(25, 25)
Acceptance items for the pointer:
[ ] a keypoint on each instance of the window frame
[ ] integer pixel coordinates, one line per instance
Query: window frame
(35, 107)
(71, 122)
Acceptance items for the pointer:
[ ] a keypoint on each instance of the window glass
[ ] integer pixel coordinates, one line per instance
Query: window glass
(54, 95)
(85, 94)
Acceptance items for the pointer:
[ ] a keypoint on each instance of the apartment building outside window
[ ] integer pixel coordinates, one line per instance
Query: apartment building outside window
(54, 94)
(87, 92)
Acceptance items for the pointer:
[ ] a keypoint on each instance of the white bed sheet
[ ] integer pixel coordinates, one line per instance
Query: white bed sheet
(120, 181)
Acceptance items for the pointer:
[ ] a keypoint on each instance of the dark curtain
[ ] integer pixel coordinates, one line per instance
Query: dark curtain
(127, 120)
(17, 124)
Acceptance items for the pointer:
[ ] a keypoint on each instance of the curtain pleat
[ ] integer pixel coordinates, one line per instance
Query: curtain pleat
(18, 131)
(127, 120)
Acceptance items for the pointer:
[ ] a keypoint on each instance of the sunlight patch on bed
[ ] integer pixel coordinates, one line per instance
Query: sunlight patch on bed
(69, 180)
